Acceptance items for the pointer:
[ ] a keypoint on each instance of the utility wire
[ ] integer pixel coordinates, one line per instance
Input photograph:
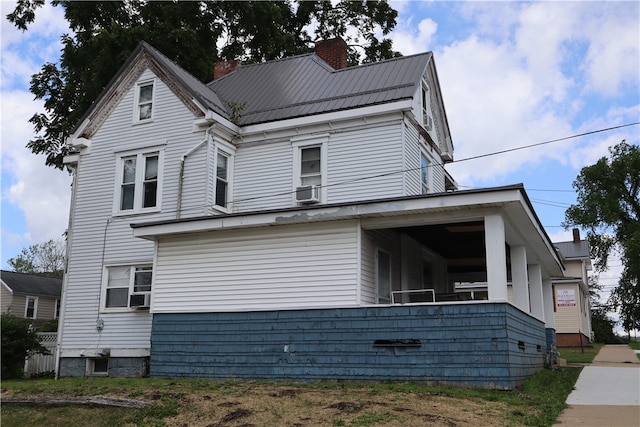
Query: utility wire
(454, 161)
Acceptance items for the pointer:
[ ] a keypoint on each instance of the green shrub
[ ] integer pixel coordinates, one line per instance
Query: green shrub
(19, 340)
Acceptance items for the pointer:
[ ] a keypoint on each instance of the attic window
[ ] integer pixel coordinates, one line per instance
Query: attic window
(144, 101)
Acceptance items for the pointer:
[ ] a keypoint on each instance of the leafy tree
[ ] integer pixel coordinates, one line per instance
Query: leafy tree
(19, 341)
(46, 258)
(601, 324)
(608, 207)
(105, 34)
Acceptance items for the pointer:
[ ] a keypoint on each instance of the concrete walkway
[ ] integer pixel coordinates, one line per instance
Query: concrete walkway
(607, 392)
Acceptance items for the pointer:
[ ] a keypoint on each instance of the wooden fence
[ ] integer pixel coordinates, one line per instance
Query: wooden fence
(41, 363)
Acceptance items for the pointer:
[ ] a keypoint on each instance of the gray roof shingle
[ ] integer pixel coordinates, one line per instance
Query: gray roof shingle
(31, 284)
(572, 249)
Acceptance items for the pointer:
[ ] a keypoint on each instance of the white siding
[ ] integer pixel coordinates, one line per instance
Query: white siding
(288, 266)
(99, 238)
(365, 153)
(262, 176)
(413, 149)
(372, 240)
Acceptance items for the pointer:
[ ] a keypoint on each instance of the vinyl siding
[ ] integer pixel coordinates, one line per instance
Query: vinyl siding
(413, 149)
(289, 266)
(6, 301)
(263, 176)
(372, 240)
(365, 153)
(99, 238)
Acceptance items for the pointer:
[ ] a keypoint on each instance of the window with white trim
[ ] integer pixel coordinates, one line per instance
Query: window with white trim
(425, 171)
(98, 367)
(56, 313)
(144, 101)
(310, 165)
(139, 182)
(31, 308)
(383, 277)
(127, 286)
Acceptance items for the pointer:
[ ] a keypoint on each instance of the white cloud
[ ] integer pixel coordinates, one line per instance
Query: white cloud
(410, 40)
(523, 73)
(41, 192)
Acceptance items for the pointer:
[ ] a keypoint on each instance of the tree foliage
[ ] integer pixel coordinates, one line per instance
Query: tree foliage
(46, 258)
(19, 341)
(193, 34)
(601, 324)
(608, 207)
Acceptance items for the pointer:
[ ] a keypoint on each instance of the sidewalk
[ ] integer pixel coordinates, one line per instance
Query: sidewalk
(607, 392)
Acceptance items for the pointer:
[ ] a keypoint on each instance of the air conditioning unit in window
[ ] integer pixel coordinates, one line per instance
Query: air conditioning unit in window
(140, 301)
(428, 122)
(308, 194)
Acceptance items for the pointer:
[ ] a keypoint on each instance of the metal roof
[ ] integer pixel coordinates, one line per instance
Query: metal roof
(31, 284)
(573, 249)
(305, 85)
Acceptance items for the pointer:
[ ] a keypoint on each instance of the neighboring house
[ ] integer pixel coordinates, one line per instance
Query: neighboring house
(572, 310)
(30, 296)
(293, 220)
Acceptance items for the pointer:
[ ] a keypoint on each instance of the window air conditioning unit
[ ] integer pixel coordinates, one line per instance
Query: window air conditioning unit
(428, 122)
(308, 194)
(140, 301)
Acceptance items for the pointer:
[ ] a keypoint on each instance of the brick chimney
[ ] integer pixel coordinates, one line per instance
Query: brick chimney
(576, 235)
(223, 68)
(333, 52)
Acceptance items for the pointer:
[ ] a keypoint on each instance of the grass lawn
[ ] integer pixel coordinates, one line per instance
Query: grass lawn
(580, 355)
(244, 403)
(636, 346)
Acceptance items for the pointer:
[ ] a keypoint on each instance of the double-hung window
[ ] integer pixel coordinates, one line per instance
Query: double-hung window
(144, 95)
(425, 170)
(127, 286)
(31, 308)
(310, 167)
(223, 173)
(138, 182)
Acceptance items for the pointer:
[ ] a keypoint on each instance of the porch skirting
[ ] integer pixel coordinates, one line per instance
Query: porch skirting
(489, 345)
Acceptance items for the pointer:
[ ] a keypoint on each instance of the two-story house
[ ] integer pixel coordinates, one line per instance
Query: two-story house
(293, 219)
(571, 306)
(30, 296)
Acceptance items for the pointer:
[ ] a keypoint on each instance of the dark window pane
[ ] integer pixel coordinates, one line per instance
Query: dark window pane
(127, 197)
(151, 168)
(129, 171)
(221, 171)
(146, 93)
(143, 278)
(221, 193)
(117, 297)
(150, 191)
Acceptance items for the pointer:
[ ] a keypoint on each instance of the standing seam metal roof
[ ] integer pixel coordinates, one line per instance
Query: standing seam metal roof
(304, 85)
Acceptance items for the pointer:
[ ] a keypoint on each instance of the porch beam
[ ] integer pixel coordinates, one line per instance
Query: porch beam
(496, 257)
(519, 278)
(535, 291)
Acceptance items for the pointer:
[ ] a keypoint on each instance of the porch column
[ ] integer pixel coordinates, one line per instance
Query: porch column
(535, 291)
(496, 253)
(519, 278)
(547, 296)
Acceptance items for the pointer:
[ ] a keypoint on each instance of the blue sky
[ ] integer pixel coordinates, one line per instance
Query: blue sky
(512, 74)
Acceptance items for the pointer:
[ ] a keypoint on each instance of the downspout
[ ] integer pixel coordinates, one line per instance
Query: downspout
(73, 169)
(207, 136)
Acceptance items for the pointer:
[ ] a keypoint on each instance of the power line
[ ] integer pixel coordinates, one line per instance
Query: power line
(546, 142)
(350, 181)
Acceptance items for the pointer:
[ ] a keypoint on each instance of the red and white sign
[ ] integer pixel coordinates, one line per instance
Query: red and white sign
(566, 297)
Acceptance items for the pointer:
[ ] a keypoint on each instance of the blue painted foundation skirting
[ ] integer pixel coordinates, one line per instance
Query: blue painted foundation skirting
(492, 345)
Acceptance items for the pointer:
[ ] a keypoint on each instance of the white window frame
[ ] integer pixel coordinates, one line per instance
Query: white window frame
(130, 288)
(140, 156)
(299, 144)
(425, 187)
(229, 152)
(379, 297)
(35, 307)
(137, 103)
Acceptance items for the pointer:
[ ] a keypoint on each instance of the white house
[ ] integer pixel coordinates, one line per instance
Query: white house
(294, 220)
